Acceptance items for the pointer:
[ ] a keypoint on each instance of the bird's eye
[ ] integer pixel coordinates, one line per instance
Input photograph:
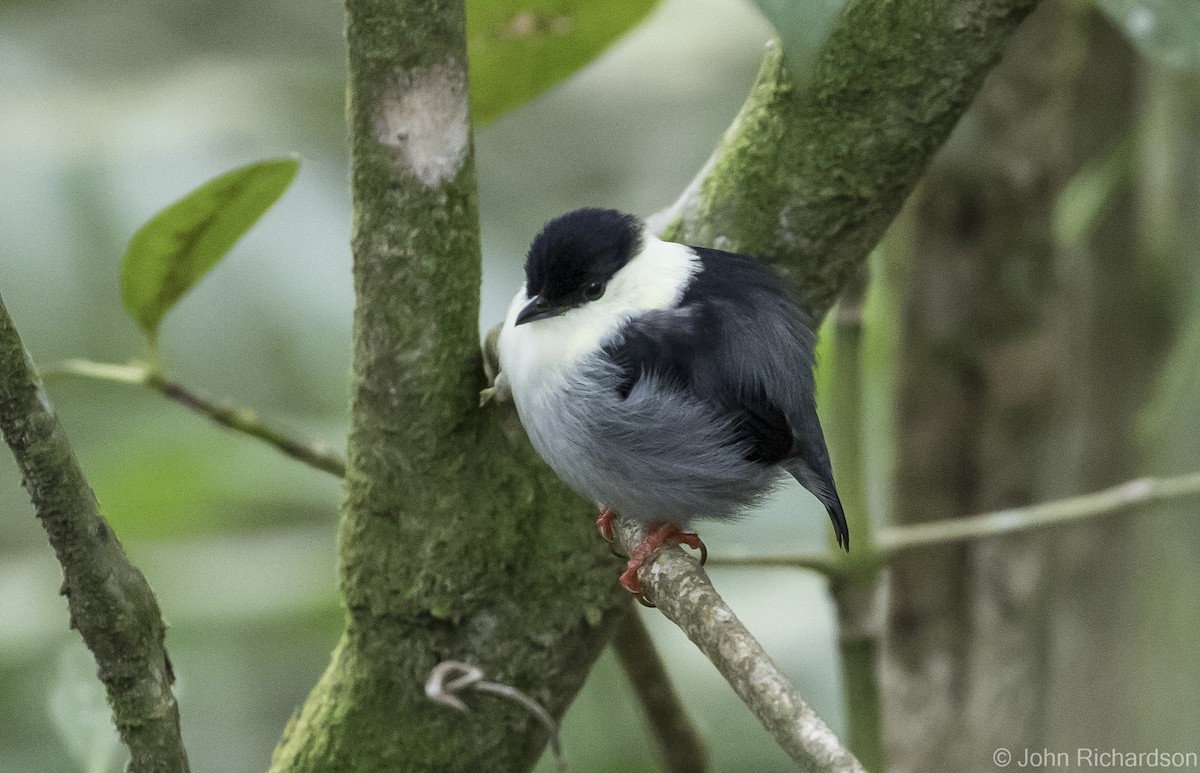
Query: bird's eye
(593, 291)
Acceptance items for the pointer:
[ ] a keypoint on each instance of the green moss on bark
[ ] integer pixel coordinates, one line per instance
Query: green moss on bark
(810, 175)
(110, 602)
(456, 540)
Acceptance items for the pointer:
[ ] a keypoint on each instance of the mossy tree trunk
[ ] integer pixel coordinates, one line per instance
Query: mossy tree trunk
(456, 543)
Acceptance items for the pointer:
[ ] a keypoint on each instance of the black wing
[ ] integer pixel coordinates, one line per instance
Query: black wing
(740, 342)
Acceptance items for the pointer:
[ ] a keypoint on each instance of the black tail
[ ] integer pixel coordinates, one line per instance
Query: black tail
(823, 489)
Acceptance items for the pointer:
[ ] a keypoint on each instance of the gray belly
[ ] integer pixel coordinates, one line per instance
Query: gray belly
(658, 455)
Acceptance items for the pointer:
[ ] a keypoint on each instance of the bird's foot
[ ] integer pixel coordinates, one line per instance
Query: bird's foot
(604, 524)
(658, 536)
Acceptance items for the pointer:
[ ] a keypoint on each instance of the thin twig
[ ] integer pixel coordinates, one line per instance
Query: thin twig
(682, 591)
(894, 539)
(680, 746)
(441, 687)
(111, 604)
(238, 419)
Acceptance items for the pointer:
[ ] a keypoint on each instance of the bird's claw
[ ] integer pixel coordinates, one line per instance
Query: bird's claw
(657, 537)
(604, 524)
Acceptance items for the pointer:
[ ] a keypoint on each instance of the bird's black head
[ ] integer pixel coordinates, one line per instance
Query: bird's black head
(572, 259)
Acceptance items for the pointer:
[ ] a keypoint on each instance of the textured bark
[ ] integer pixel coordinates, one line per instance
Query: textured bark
(1021, 371)
(810, 175)
(110, 602)
(456, 542)
(683, 593)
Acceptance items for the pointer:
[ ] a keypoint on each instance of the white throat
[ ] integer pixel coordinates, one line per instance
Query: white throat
(541, 353)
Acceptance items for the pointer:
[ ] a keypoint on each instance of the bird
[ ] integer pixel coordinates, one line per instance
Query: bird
(663, 382)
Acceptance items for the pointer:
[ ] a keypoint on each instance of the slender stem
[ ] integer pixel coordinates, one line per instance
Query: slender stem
(680, 745)
(682, 591)
(246, 421)
(238, 419)
(894, 539)
(111, 604)
(891, 540)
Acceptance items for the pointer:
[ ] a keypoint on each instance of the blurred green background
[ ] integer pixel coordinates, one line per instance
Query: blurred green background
(109, 111)
(113, 110)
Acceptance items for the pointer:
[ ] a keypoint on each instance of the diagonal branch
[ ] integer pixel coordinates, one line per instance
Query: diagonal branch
(236, 418)
(111, 604)
(810, 175)
(683, 593)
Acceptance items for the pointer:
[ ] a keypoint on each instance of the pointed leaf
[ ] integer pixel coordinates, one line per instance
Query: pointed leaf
(180, 244)
(519, 48)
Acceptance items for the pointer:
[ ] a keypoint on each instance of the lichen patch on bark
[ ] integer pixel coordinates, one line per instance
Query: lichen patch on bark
(422, 114)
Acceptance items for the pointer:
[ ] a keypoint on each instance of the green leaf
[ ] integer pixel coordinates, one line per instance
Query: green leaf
(1168, 30)
(183, 242)
(519, 49)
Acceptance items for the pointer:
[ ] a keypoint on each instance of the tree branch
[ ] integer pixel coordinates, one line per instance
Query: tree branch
(111, 604)
(891, 540)
(810, 175)
(237, 418)
(895, 539)
(682, 591)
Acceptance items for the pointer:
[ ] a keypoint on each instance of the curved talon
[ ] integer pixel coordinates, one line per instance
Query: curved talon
(693, 541)
(604, 524)
(630, 582)
(657, 537)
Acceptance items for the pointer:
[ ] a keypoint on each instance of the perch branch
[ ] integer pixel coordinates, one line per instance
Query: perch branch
(238, 419)
(679, 587)
(110, 602)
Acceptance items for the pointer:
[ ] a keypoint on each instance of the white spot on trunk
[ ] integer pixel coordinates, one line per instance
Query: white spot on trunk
(423, 115)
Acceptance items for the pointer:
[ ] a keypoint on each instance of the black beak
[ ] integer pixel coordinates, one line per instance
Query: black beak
(537, 308)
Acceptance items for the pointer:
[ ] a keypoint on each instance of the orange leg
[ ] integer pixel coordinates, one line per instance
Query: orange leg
(658, 536)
